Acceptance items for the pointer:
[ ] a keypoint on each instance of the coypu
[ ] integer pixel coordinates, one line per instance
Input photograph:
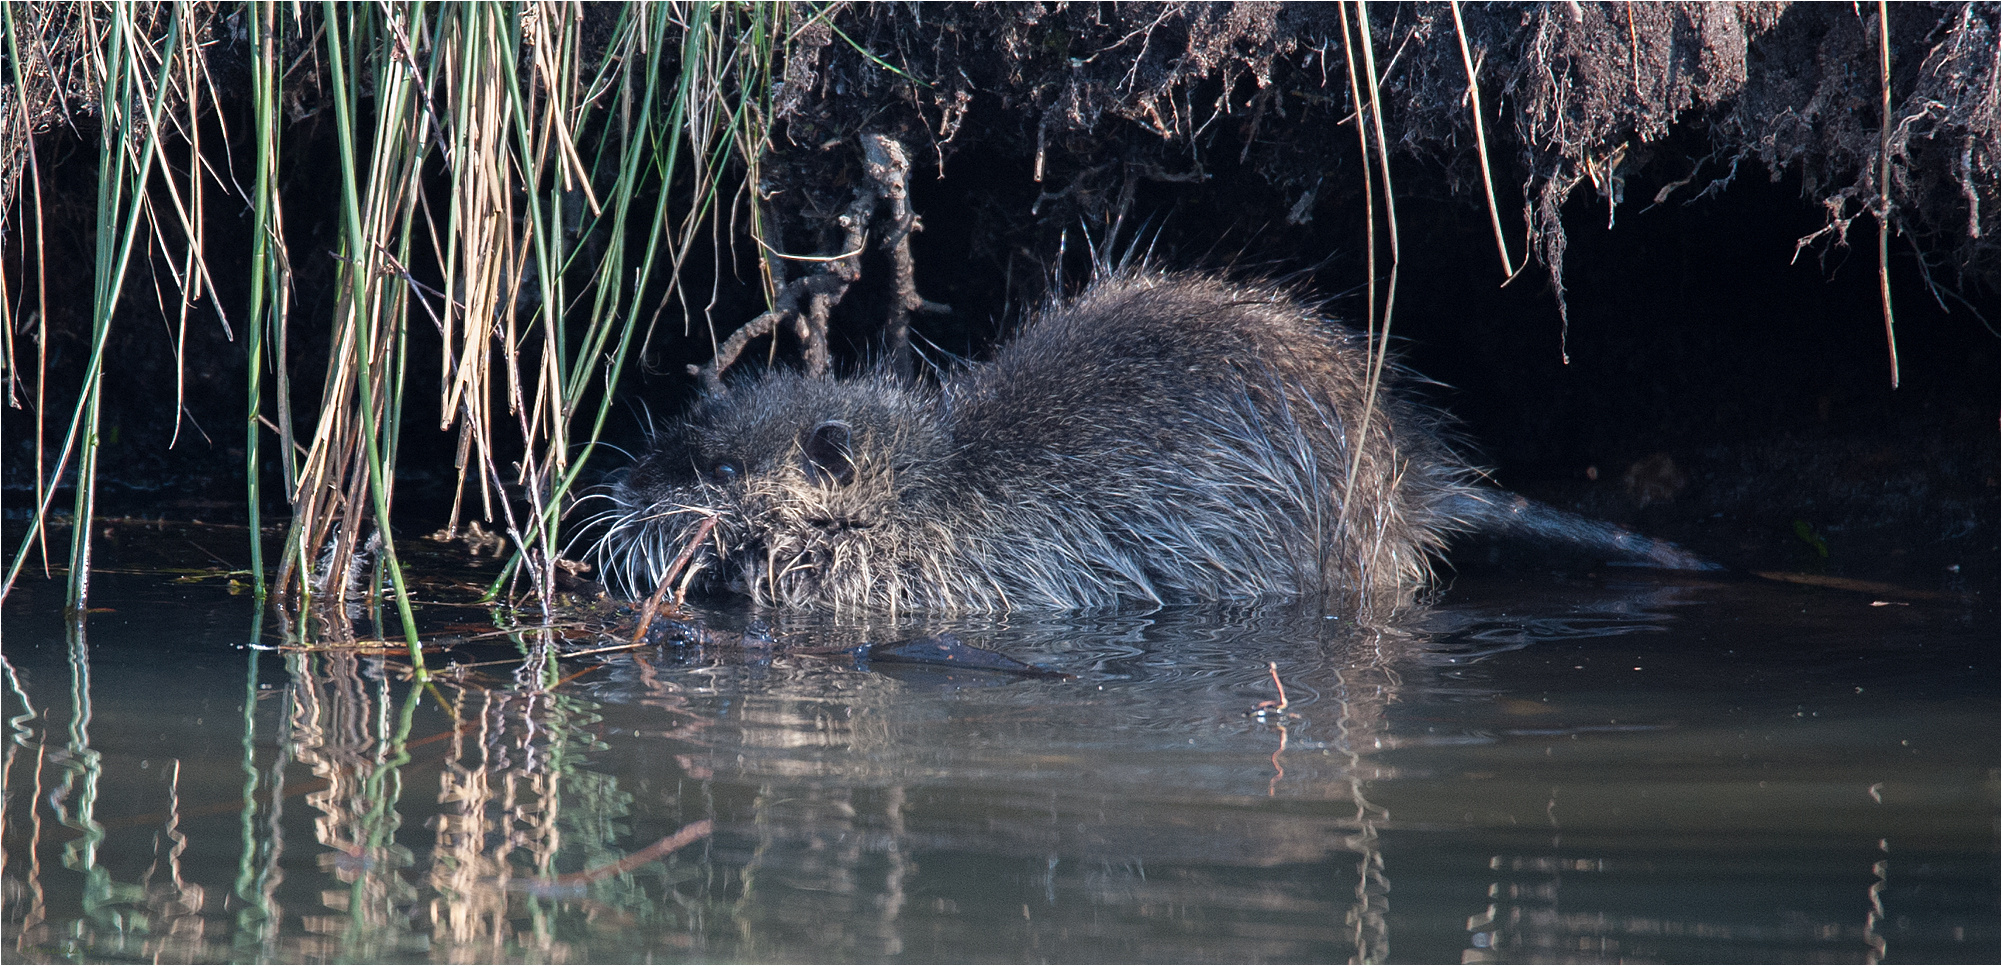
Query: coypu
(1159, 437)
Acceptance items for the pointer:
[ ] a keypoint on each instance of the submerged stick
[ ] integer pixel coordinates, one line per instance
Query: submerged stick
(1273, 667)
(561, 885)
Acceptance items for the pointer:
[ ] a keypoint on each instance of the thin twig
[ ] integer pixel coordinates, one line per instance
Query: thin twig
(557, 884)
(1379, 347)
(775, 253)
(667, 577)
(1481, 140)
(1884, 184)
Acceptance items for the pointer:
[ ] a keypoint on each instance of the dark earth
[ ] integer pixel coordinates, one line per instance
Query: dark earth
(1677, 360)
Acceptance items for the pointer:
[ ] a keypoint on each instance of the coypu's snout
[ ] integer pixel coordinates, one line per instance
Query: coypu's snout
(790, 508)
(811, 482)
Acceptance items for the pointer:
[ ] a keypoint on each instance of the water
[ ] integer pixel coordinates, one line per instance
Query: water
(1541, 768)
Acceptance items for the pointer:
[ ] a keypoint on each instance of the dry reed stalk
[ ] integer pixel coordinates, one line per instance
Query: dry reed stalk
(18, 141)
(723, 104)
(545, 122)
(193, 278)
(505, 91)
(668, 576)
(507, 130)
(1884, 184)
(350, 463)
(1381, 348)
(480, 254)
(1481, 141)
(1379, 337)
(131, 110)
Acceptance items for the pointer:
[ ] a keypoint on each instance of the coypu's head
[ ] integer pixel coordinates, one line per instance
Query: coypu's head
(812, 483)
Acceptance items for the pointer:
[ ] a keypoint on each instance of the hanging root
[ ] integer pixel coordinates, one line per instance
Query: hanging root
(804, 302)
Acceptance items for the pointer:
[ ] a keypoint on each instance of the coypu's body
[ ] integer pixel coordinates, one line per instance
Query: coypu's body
(1158, 438)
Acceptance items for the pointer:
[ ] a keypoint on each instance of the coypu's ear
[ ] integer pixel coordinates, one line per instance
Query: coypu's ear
(827, 452)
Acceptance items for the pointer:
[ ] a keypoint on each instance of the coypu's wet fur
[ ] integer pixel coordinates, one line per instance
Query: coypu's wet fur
(1160, 437)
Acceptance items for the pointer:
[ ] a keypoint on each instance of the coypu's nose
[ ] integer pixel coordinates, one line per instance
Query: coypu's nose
(828, 454)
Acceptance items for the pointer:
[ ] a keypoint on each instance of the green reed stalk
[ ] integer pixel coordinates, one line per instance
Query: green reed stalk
(119, 186)
(534, 160)
(392, 104)
(263, 266)
(717, 54)
(610, 309)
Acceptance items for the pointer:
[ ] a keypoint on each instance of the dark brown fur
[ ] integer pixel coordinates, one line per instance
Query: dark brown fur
(1161, 437)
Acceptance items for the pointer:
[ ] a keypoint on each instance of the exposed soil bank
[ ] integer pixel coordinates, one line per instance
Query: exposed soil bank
(1674, 358)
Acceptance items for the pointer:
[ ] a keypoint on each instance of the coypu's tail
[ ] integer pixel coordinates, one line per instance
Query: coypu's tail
(1503, 514)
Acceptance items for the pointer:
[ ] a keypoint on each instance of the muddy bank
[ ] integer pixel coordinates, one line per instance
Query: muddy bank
(1688, 194)
(1688, 197)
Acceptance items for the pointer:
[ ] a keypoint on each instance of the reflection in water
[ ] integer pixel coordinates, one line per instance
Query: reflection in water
(1472, 786)
(30, 892)
(485, 881)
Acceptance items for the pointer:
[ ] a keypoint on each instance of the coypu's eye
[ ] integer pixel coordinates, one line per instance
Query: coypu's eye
(723, 471)
(828, 453)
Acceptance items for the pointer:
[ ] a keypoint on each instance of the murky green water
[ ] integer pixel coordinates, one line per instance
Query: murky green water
(1539, 769)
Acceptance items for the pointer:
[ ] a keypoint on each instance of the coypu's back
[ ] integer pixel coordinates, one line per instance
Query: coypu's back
(1157, 438)
(1196, 436)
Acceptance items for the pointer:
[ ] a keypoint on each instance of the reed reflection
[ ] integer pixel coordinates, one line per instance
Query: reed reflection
(789, 803)
(528, 842)
(57, 791)
(463, 823)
